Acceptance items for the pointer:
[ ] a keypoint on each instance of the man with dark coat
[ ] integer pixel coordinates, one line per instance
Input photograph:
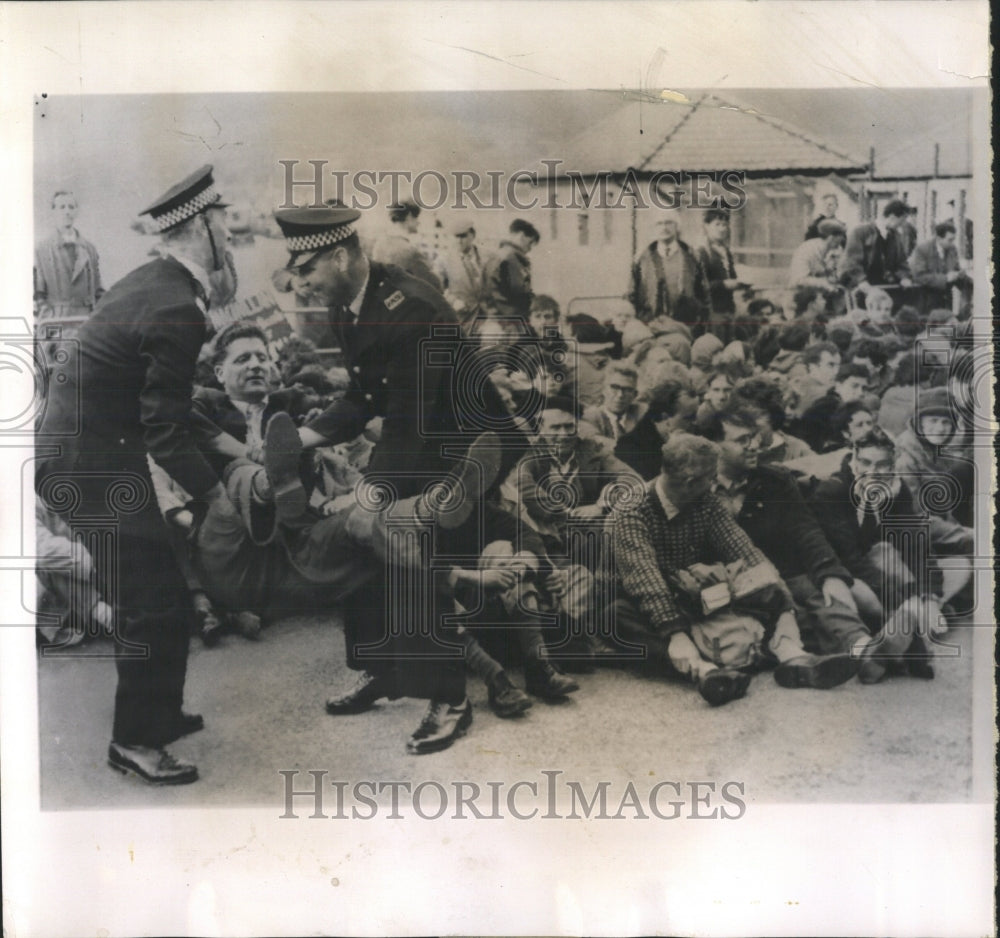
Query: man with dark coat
(667, 280)
(136, 356)
(716, 261)
(507, 274)
(400, 340)
(875, 253)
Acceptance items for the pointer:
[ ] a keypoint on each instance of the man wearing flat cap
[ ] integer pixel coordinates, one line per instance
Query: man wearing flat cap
(136, 362)
(380, 316)
(399, 246)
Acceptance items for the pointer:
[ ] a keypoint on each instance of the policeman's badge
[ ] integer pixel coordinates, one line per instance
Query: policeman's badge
(394, 300)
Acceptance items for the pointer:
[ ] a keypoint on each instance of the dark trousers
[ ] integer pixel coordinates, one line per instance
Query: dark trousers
(387, 633)
(154, 624)
(825, 629)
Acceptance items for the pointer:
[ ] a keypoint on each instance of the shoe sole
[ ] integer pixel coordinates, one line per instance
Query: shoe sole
(830, 672)
(130, 770)
(460, 730)
(516, 710)
(194, 728)
(721, 687)
(347, 710)
(282, 453)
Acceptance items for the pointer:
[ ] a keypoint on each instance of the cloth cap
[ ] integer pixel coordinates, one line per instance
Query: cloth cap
(935, 402)
(189, 197)
(310, 231)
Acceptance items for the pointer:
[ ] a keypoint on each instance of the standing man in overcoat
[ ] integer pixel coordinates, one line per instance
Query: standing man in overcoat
(136, 363)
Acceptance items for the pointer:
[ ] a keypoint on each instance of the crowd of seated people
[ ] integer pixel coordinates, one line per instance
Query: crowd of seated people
(715, 496)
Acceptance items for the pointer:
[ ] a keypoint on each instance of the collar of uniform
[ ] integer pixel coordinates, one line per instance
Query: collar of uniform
(355, 305)
(73, 238)
(196, 270)
(669, 508)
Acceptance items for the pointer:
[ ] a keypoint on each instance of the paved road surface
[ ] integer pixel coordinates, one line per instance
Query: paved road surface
(904, 740)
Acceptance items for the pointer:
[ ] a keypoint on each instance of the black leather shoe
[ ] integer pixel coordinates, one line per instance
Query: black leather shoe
(185, 725)
(818, 671)
(155, 766)
(544, 679)
(282, 452)
(441, 726)
(367, 689)
(722, 685)
(919, 660)
(506, 700)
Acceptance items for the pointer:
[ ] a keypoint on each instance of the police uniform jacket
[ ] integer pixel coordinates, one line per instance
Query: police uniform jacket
(125, 391)
(399, 370)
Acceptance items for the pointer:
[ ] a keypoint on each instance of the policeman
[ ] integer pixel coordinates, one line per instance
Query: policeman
(137, 357)
(382, 318)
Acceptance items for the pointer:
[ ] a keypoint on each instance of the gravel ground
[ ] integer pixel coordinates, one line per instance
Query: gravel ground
(904, 740)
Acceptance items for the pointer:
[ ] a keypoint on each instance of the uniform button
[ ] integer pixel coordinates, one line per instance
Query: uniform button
(368, 397)
(357, 369)
(121, 442)
(385, 380)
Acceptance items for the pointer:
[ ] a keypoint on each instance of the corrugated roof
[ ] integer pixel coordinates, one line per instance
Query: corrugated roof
(705, 135)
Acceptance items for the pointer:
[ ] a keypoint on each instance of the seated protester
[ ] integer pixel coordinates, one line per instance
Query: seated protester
(665, 548)
(656, 364)
(231, 423)
(66, 584)
(900, 400)
(183, 515)
(873, 354)
(907, 325)
(758, 315)
(790, 340)
(814, 426)
(811, 305)
(545, 328)
(671, 407)
(776, 445)
(673, 336)
(703, 350)
(821, 362)
(766, 503)
(849, 422)
(564, 477)
(619, 411)
(590, 351)
(814, 262)
(865, 510)
(713, 398)
(873, 320)
(922, 458)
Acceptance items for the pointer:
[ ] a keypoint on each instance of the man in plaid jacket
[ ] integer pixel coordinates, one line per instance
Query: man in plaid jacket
(681, 525)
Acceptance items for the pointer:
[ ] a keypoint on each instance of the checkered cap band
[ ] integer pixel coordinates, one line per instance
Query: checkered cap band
(189, 209)
(319, 239)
